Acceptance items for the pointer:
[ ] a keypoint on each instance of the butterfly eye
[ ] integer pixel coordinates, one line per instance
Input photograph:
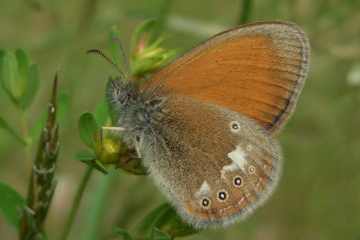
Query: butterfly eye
(222, 195)
(234, 126)
(205, 203)
(251, 169)
(237, 181)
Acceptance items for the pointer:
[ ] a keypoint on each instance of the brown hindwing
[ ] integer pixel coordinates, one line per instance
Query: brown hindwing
(219, 164)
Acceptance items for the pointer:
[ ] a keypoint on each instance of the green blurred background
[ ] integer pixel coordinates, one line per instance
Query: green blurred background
(319, 193)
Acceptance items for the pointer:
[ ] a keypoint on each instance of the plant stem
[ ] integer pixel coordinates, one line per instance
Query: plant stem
(245, 11)
(98, 207)
(76, 203)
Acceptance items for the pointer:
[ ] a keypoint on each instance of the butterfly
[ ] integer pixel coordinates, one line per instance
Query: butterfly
(205, 125)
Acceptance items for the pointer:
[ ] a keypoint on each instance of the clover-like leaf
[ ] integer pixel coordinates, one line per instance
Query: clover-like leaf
(23, 65)
(19, 78)
(102, 113)
(88, 129)
(11, 204)
(9, 75)
(31, 88)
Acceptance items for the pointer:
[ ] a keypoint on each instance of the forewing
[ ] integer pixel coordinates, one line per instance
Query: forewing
(218, 165)
(257, 69)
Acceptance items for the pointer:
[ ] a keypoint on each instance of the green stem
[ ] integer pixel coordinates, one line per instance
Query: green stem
(98, 207)
(76, 203)
(245, 11)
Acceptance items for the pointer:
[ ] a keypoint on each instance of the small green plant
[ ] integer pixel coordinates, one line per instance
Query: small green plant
(19, 79)
(105, 151)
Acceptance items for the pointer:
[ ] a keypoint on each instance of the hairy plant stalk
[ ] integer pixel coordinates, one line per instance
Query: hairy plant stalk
(42, 179)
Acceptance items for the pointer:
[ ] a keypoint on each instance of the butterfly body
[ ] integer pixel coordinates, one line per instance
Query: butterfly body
(204, 125)
(174, 149)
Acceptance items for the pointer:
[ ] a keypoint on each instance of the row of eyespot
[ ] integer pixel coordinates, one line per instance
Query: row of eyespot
(222, 195)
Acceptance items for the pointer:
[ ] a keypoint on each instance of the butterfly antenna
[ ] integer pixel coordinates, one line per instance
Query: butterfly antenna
(102, 54)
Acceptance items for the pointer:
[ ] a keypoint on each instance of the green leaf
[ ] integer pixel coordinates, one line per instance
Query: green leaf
(11, 204)
(173, 225)
(19, 78)
(102, 113)
(158, 235)
(88, 129)
(124, 234)
(32, 87)
(149, 222)
(5, 125)
(116, 49)
(167, 221)
(23, 63)
(155, 59)
(144, 32)
(85, 156)
(28, 79)
(9, 76)
(147, 55)
(90, 159)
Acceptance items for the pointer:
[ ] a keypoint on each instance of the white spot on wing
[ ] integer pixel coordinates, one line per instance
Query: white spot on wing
(238, 156)
(203, 190)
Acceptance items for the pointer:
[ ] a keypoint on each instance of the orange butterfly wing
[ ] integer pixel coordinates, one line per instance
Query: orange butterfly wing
(257, 69)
